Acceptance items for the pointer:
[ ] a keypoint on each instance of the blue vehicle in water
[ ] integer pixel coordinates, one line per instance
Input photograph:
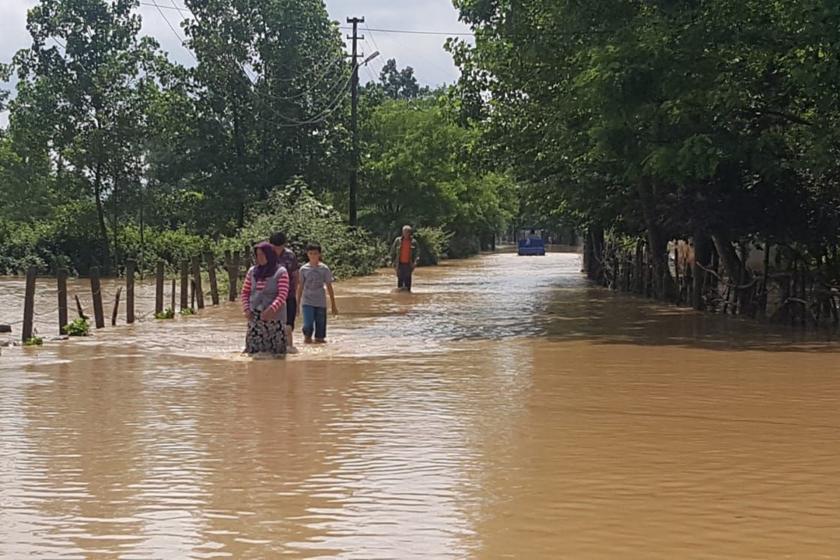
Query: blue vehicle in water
(531, 244)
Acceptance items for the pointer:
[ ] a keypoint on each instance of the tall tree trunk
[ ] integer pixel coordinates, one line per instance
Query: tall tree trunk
(735, 269)
(702, 258)
(239, 146)
(594, 254)
(657, 244)
(638, 267)
(100, 209)
(115, 222)
(732, 265)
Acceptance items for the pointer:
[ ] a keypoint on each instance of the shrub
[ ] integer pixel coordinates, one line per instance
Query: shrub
(78, 246)
(431, 243)
(461, 246)
(170, 246)
(168, 313)
(79, 327)
(34, 341)
(295, 210)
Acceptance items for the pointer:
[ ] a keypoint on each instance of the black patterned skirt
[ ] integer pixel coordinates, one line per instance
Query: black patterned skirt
(265, 337)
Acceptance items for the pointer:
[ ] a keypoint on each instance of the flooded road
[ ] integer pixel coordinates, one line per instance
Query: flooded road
(506, 410)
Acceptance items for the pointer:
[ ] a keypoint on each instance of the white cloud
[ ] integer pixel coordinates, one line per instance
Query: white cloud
(425, 53)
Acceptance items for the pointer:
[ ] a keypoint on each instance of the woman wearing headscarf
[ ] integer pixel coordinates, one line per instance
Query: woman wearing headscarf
(264, 295)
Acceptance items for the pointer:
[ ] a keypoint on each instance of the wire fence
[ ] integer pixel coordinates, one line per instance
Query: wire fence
(80, 298)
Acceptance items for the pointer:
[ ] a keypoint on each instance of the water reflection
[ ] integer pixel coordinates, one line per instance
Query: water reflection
(514, 415)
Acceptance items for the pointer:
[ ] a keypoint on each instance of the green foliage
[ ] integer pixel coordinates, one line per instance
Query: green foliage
(187, 311)
(113, 152)
(399, 84)
(262, 105)
(167, 313)
(664, 119)
(431, 243)
(170, 246)
(34, 341)
(71, 243)
(295, 210)
(84, 104)
(78, 327)
(421, 170)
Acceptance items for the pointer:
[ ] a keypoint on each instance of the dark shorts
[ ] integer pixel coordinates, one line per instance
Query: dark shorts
(291, 312)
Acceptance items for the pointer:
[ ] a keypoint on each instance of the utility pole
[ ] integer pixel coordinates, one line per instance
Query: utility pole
(354, 117)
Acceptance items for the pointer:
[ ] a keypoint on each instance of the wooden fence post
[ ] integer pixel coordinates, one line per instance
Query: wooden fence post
(172, 294)
(61, 274)
(130, 266)
(192, 295)
(79, 309)
(211, 272)
(29, 304)
(116, 307)
(199, 294)
(96, 292)
(159, 272)
(185, 284)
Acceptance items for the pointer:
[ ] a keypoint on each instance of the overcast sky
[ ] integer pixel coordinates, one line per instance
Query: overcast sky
(433, 65)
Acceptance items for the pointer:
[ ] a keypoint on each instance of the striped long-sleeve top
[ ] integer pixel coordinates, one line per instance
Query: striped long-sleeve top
(282, 292)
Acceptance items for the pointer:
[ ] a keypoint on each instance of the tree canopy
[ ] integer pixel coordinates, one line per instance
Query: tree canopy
(677, 119)
(112, 146)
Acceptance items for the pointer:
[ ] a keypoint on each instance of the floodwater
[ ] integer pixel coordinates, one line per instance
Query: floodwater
(505, 410)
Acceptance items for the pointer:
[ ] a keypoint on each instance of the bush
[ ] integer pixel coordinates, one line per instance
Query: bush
(431, 243)
(78, 246)
(71, 238)
(295, 210)
(170, 246)
(461, 246)
(168, 313)
(79, 327)
(34, 341)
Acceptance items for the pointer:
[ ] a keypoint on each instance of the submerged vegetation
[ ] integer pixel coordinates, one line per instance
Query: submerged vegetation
(78, 327)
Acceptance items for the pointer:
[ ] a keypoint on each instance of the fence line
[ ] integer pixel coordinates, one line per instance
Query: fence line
(98, 294)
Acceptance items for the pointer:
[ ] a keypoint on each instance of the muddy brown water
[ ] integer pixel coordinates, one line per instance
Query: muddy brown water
(505, 410)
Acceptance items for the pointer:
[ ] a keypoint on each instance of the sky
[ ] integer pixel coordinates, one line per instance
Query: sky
(432, 64)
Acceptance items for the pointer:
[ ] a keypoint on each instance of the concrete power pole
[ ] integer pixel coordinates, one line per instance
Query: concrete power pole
(354, 118)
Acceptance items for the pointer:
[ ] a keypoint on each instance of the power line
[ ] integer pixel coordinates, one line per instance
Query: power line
(348, 28)
(187, 13)
(332, 107)
(419, 32)
(313, 83)
(172, 27)
(377, 62)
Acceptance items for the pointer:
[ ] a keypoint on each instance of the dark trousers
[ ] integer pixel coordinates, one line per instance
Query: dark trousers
(404, 272)
(315, 321)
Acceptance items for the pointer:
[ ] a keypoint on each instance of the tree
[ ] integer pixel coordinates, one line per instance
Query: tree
(663, 119)
(399, 84)
(266, 102)
(84, 87)
(419, 168)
